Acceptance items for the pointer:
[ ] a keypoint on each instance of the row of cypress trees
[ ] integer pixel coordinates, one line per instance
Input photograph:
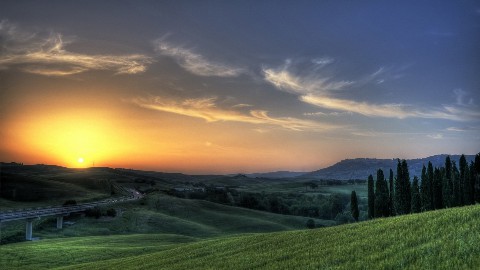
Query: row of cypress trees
(438, 188)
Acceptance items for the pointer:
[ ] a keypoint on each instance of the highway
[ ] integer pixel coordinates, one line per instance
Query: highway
(59, 211)
(19, 214)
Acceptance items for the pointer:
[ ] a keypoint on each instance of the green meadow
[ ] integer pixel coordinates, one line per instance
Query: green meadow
(443, 239)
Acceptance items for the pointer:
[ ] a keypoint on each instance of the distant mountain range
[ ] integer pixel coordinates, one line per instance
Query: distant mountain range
(361, 168)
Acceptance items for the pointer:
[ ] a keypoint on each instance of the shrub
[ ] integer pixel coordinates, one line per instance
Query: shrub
(93, 212)
(111, 212)
(69, 202)
(311, 224)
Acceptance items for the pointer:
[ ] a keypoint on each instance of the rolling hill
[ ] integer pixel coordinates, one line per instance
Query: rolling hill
(444, 239)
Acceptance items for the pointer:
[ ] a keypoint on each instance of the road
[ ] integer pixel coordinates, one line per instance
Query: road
(19, 214)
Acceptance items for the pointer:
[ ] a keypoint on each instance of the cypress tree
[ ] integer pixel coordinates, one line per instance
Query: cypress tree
(437, 190)
(465, 179)
(398, 198)
(402, 189)
(407, 188)
(472, 180)
(371, 198)
(448, 184)
(456, 185)
(416, 199)
(476, 183)
(463, 167)
(381, 196)
(430, 183)
(424, 190)
(391, 194)
(354, 205)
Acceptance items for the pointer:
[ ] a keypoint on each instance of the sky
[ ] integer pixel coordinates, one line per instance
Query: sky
(237, 86)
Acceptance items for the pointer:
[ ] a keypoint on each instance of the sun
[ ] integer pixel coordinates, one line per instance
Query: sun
(80, 160)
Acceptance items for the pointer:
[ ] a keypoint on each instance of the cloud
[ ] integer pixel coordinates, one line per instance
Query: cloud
(460, 96)
(242, 105)
(391, 110)
(328, 114)
(196, 63)
(462, 129)
(47, 55)
(206, 108)
(322, 62)
(320, 91)
(437, 136)
(457, 129)
(286, 81)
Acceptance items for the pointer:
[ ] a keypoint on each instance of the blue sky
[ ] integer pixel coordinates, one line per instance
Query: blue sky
(304, 83)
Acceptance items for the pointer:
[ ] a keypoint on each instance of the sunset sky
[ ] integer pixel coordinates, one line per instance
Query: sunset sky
(237, 86)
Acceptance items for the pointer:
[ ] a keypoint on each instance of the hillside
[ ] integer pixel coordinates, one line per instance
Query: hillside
(361, 168)
(444, 239)
(163, 214)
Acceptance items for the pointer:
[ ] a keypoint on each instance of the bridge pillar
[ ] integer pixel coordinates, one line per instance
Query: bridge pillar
(59, 222)
(28, 230)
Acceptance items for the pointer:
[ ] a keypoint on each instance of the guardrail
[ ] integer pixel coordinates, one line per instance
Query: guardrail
(59, 211)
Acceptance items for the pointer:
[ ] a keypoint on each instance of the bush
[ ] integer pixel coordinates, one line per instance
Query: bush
(344, 217)
(93, 212)
(70, 202)
(111, 212)
(311, 224)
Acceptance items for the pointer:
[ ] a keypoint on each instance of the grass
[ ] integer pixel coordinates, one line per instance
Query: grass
(282, 186)
(444, 239)
(167, 215)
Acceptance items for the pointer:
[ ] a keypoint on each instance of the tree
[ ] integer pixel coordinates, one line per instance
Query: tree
(430, 186)
(471, 170)
(468, 193)
(381, 196)
(399, 190)
(402, 189)
(407, 187)
(448, 184)
(477, 177)
(437, 189)
(456, 185)
(371, 197)
(416, 199)
(463, 167)
(354, 205)
(424, 190)
(391, 193)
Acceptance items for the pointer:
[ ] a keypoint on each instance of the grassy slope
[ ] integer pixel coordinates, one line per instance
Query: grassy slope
(195, 218)
(445, 239)
(168, 215)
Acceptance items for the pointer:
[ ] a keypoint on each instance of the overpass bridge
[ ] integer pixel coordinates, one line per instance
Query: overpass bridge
(29, 215)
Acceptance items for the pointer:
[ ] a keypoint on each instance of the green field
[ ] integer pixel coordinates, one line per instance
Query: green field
(444, 239)
(159, 213)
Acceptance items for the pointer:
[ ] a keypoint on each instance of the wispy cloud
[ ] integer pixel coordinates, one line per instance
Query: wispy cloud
(47, 55)
(283, 79)
(461, 96)
(320, 91)
(194, 62)
(241, 105)
(437, 136)
(463, 129)
(207, 109)
(327, 114)
(391, 110)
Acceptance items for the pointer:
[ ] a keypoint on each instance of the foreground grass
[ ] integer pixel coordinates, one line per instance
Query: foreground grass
(445, 239)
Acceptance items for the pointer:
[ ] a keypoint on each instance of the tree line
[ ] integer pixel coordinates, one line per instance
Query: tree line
(438, 187)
